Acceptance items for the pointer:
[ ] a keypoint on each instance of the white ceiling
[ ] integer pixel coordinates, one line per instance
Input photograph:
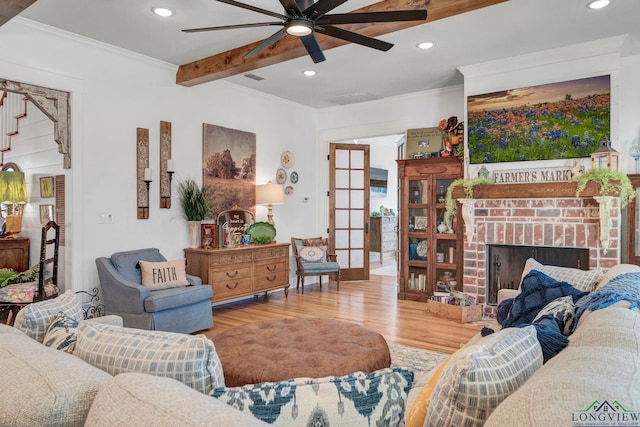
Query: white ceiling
(351, 73)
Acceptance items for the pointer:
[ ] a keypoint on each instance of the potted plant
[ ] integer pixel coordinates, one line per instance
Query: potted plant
(195, 205)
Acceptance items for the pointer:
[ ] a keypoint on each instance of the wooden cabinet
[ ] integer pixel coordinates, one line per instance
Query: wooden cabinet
(241, 271)
(14, 254)
(633, 224)
(428, 252)
(383, 236)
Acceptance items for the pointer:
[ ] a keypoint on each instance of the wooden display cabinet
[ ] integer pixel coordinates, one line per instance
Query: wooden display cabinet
(427, 254)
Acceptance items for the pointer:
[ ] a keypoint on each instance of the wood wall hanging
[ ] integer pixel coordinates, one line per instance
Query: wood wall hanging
(142, 169)
(166, 165)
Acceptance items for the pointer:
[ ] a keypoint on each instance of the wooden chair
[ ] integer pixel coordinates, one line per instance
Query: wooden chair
(47, 285)
(326, 265)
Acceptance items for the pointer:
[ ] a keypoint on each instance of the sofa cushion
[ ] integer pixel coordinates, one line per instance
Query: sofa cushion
(42, 386)
(482, 375)
(376, 398)
(562, 310)
(537, 290)
(614, 327)
(34, 319)
(127, 262)
(190, 359)
(134, 399)
(585, 280)
(164, 274)
(62, 333)
(617, 270)
(166, 299)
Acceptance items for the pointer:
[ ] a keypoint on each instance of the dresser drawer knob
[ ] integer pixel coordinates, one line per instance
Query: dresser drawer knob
(272, 268)
(272, 278)
(231, 276)
(232, 286)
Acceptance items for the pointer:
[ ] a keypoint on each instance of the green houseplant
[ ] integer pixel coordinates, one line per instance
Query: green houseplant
(195, 205)
(468, 184)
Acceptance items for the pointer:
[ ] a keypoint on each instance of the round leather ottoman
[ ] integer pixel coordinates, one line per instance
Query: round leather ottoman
(275, 350)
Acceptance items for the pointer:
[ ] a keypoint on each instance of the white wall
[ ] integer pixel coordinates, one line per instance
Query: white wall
(112, 93)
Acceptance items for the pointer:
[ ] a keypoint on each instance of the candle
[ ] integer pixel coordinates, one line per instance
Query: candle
(147, 174)
(170, 166)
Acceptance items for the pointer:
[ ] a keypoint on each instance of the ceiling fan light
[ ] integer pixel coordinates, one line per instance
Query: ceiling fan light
(162, 11)
(598, 4)
(299, 28)
(309, 73)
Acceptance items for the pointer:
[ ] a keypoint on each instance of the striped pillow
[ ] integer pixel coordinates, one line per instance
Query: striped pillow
(35, 319)
(585, 280)
(190, 359)
(482, 375)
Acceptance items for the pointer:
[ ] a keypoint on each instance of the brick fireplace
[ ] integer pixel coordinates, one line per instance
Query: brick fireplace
(533, 215)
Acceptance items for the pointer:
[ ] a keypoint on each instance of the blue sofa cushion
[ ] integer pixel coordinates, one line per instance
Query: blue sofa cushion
(165, 299)
(319, 267)
(127, 262)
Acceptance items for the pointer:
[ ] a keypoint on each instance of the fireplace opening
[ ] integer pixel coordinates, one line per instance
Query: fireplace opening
(506, 262)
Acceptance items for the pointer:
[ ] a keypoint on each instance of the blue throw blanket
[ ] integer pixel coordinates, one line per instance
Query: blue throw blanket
(624, 287)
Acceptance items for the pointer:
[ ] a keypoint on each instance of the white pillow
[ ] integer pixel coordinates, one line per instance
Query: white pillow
(585, 280)
(34, 319)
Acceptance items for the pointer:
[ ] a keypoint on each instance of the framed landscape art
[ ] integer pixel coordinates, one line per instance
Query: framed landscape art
(552, 121)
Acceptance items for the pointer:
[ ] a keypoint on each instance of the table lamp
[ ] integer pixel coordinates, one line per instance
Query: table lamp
(13, 193)
(269, 194)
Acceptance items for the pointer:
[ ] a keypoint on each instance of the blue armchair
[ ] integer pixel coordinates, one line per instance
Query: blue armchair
(184, 309)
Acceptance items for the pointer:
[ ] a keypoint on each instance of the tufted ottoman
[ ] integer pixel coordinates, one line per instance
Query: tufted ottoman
(274, 350)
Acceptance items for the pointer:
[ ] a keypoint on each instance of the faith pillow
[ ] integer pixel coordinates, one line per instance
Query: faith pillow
(163, 275)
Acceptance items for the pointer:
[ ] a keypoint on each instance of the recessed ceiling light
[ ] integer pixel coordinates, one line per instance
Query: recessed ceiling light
(426, 45)
(598, 4)
(309, 73)
(163, 11)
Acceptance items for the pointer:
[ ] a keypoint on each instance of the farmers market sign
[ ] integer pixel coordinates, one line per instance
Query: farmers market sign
(558, 174)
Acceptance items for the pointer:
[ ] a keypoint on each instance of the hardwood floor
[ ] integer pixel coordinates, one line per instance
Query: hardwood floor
(372, 304)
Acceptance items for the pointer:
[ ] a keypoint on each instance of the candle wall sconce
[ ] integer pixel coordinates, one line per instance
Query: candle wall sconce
(143, 172)
(166, 165)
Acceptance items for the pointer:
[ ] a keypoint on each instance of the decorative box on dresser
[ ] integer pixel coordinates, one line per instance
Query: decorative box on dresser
(428, 252)
(383, 237)
(241, 271)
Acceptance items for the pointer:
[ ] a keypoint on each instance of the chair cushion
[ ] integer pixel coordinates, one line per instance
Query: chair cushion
(319, 267)
(34, 319)
(190, 359)
(165, 299)
(127, 262)
(163, 275)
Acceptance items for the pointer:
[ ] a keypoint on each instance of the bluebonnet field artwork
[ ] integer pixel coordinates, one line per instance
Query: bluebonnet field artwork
(554, 121)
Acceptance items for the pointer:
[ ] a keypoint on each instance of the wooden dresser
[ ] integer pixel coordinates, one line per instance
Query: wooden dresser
(384, 235)
(241, 271)
(14, 254)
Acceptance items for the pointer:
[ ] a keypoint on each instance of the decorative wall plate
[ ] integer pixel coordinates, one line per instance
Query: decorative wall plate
(293, 177)
(261, 232)
(281, 176)
(288, 190)
(287, 159)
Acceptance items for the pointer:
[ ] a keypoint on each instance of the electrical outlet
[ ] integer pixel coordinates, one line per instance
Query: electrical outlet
(105, 218)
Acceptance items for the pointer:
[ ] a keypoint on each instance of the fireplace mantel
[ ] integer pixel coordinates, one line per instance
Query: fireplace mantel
(540, 190)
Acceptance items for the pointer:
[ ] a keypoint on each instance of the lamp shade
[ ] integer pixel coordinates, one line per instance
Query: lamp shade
(269, 194)
(13, 187)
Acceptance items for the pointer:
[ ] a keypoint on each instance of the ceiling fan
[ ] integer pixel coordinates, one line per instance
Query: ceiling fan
(304, 18)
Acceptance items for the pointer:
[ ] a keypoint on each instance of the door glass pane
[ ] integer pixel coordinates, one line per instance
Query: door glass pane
(343, 258)
(342, 219)
(342, 178)
(357, 179)
(357, 259)
(342, 238)
(342, 159)
(342, 199)
(357, 199)
(357, 238)
(357, 219)
(357, 159)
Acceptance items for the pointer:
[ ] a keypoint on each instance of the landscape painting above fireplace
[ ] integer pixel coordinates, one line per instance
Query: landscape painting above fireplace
(553, 121)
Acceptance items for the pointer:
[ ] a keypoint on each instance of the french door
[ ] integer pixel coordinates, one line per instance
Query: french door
(349, 208)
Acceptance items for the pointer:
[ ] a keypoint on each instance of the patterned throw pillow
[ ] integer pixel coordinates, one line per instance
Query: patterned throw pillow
(482, 375)
(313, 253)
(34, 319)
(562, 310)
(62, 333)
(316, 241)
(585, 280)
(190, 359)
(163, 275)
(376, 398)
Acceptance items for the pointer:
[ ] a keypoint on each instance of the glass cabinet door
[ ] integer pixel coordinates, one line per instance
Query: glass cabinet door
(419, 224)
(446, 242)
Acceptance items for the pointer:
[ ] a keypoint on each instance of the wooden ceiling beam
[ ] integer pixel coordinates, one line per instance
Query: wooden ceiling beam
(231, 62)
(11, 8)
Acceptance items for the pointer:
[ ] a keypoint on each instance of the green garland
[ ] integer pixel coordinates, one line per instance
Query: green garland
(604, 177)
(468, 184)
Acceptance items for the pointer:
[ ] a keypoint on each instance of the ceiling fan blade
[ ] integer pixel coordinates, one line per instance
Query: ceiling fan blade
(321, 7)
(313, 48)
(266, 42)
(291, 7)
(352, 37)
(230, 27)
(254, 9)
(366, 17)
